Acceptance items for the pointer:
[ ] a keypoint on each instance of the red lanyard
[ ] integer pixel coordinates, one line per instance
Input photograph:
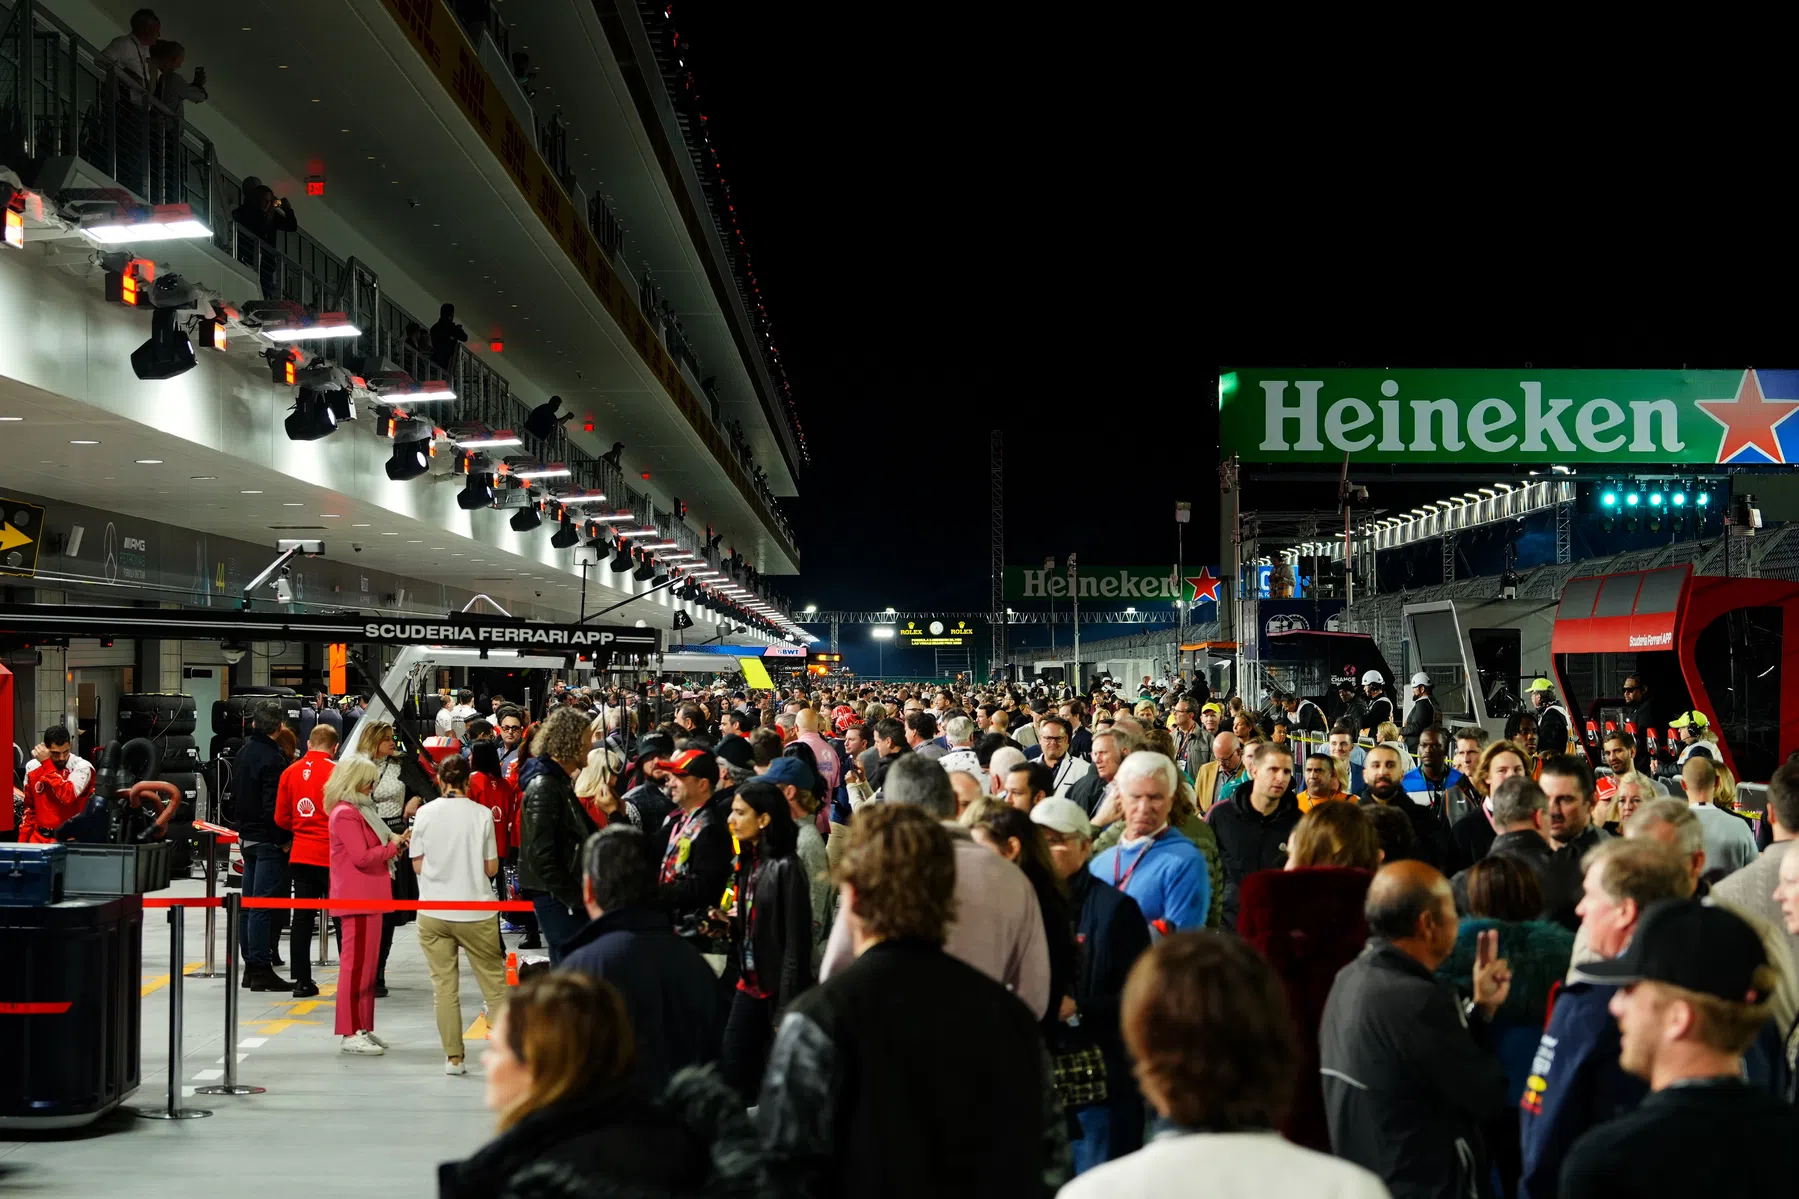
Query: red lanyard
(1120, 883)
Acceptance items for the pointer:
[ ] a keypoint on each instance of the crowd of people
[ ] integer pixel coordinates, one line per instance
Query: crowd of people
(860, 940)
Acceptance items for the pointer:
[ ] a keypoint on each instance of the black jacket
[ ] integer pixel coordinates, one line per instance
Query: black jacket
(670, 991)
(1112, 936)
(1557, 872)
(1088, 792)
(1651, 1151)
(699, 882)
(695, 1141)
(555, 827)
(1471, 839)
(255, 774)
(1421, 717)
(782, 934)
(1249, 841)
(910, 1073)
(1406, 1086)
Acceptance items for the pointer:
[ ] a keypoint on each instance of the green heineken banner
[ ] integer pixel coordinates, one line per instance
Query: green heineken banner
(1618, 418)
(1116, 584)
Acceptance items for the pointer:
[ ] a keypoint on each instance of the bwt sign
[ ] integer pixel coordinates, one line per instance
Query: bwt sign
(1478, 416)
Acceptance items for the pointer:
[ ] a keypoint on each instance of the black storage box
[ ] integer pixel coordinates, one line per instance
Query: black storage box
(31, 875)
(69, 1010)
(116, 869)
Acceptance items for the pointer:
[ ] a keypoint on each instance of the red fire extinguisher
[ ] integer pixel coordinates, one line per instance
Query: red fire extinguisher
(1654, 748)
(1593, 732)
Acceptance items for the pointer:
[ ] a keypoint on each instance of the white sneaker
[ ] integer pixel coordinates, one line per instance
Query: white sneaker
(377, 1040)
(451, 1067)
(361, 1044)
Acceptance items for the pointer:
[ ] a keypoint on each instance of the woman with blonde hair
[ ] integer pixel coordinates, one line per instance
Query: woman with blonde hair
(363, 850)
(594, 786)
(377, 745)
(559, 1065)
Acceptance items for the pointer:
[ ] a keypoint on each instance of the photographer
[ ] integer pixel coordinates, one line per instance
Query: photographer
(264, 215)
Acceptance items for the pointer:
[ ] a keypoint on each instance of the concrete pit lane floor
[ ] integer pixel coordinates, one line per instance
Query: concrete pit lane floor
(329, 1124)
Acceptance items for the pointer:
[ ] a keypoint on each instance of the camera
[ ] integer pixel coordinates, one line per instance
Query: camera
(539, 594)
(234, 653)
(357, 546)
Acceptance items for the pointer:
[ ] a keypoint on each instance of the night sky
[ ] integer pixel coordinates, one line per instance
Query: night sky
(962, 226)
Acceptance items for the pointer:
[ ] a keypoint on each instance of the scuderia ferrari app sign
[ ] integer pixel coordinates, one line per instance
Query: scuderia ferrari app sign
(516, 636)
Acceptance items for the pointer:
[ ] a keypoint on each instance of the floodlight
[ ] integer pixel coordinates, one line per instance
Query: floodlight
(526, 518)
(621, 561)
(477, 492)
(410, 459)
(567, 537)
(310, 419)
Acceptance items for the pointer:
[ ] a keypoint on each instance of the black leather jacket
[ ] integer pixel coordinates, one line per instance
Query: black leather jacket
(782, 935)
(555, 829)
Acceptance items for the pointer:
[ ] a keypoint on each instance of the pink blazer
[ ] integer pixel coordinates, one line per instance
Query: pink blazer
(358, 859)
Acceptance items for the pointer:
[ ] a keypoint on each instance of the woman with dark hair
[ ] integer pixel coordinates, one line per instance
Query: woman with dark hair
(1504, 894)
(559, 1066)
(1011, 834)
(770, 925)
(1307, 921)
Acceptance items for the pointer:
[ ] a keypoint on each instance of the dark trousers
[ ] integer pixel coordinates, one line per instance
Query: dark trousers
(265, 877)
(310, 882)
(558, 923)
(744, 1054)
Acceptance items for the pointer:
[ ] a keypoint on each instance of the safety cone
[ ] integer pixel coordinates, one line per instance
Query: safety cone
(512, 969)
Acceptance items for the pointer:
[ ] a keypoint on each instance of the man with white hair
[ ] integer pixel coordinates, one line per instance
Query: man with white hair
(958, 733)
(1153, 863)
(829, 765)
(1005, 759)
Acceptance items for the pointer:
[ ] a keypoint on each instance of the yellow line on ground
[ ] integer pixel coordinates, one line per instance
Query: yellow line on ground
(162, 980)
(476, 1031)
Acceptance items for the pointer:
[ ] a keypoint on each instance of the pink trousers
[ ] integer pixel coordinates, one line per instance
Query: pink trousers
(356, 973)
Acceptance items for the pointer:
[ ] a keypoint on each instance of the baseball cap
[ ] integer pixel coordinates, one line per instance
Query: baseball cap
(1688, 944)
(736, 751)
(1063, 815)
(1218, 708)
(694, 763)
(658, 745)
(787, 772)
(1690, 719)
(1541, 685)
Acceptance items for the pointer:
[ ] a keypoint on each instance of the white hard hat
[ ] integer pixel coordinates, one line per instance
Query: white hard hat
(1372, 677)
(1421, 679)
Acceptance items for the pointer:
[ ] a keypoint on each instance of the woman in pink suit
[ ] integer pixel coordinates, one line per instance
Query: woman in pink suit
(362, 851)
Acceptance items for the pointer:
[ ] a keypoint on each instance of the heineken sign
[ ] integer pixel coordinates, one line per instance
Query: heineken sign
(1616, 418)
(1124, 584)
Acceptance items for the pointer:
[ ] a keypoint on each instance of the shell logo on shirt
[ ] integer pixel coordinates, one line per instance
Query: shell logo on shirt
(306, 809)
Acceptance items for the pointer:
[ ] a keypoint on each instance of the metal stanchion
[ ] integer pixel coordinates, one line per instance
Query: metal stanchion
(209, 970)
(325, 958)
(174, 1110)
(233, 906)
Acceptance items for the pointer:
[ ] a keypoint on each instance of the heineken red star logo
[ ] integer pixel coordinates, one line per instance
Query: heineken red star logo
(1749, 420)
(1204, 586)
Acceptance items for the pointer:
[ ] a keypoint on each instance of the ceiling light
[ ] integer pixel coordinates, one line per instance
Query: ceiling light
(637, 532)
(169, 226)
(11, 418)
(583, 499)
(292, 504)
(547, 472)
(148, 461)
(203, 478)
(84, 442)
(249, 493)
(662, 545)
(329, 325)
(428, 391)
(484, 443)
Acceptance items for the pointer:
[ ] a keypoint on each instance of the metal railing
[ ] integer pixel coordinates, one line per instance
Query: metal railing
(59, 98)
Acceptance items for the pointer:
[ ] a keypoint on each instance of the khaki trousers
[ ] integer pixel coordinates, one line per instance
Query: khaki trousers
(480, 940)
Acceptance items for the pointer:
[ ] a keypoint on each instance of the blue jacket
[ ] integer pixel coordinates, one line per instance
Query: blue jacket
(1169, 878)
(670, 991)
(1575, 1083)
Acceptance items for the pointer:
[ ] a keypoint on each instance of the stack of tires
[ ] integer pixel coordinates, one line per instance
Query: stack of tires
(231, 722)
(167, 720)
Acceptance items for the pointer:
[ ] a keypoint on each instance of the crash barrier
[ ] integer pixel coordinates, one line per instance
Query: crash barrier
(174, 1108)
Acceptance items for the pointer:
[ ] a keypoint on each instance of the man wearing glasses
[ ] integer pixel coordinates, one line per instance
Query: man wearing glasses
(1053, 736)
(1192, 744)
(512, 736)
